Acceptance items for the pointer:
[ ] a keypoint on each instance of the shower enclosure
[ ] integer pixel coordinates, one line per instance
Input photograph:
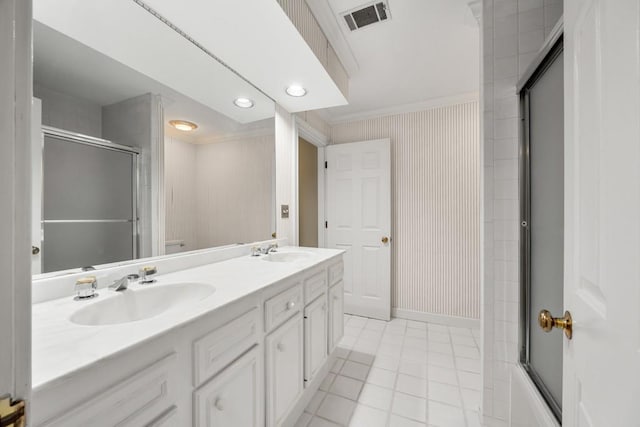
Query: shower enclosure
(542, 221)
(89, 201)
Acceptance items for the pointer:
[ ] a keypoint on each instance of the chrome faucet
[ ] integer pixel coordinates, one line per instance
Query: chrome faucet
(145, 272)
(86, 288)
(257, 250)
(123, 283)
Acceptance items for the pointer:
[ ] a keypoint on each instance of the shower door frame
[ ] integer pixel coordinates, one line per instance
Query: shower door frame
(77, 138)
(552, 48)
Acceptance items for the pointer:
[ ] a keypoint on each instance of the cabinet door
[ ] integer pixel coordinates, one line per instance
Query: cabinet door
(315, 336)
(284, 369)
(232, 398)
(336, 315)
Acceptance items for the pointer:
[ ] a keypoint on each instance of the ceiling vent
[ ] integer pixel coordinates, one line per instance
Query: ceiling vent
(367, 15)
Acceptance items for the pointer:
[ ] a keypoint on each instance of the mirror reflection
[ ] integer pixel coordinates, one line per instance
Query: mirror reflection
(129, 162)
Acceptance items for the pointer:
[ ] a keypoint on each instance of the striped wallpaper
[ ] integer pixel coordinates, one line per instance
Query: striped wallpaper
(435, 196)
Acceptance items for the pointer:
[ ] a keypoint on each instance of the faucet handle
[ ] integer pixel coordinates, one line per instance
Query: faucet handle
(86, 287)
(146, 272)
(255, 251)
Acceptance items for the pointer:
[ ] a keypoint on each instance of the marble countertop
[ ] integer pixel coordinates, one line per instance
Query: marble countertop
(60, 347)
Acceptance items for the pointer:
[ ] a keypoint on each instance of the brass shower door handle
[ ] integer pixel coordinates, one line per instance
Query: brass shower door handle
(547, 322)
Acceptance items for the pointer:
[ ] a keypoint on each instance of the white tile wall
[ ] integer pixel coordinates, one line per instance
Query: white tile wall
(513, 31)
(70, 113)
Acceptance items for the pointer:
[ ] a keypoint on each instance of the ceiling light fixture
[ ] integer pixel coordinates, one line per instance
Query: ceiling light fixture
(296, 90)
(183, 125)
(243, 102)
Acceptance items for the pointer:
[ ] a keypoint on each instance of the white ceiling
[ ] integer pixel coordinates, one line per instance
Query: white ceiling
(258, 40)
(428, 50)
(67, 66)
(128, 34)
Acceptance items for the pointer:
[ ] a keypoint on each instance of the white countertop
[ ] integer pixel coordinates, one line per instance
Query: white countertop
(60, 347)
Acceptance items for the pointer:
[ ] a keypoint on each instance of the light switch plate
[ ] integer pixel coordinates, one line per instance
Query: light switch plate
(284, 211)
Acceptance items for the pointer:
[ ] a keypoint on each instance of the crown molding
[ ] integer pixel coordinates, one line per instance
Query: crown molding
(407, 108)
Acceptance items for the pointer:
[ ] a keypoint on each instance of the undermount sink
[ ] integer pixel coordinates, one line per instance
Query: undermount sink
(142, 303)
(286, 256)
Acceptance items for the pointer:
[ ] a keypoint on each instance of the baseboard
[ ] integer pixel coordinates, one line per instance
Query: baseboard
(421, 316)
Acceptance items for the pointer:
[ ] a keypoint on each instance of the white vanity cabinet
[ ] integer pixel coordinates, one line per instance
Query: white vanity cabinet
(232, 398)
(255, 361)
(315, 337)
(284, 365)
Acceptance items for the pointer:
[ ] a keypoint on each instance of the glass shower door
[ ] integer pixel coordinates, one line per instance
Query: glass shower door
(89, 204)
(542, 254)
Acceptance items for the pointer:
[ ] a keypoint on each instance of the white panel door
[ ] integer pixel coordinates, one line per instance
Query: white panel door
(358, 215)
(601, 379)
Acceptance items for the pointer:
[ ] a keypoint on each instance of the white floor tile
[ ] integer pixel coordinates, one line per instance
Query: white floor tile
(412, 385)
(415, 369)
(471, 399)
(382, 377)
(304, 420)
(468, 365)
(376, 397)
(319, 422)
(337, 409)
(387, 362)
(364, 358)
(355, 370)
(440, 359)
(468, 352)
(441, 337)
(365, 416)
(470, 380)
(346, 387)
(443, 375)
(337, 365)
(408, 406)
(400, 374)
(328, 380)
(445, 415)
(445, 393)
(316, 400)
(396, 421)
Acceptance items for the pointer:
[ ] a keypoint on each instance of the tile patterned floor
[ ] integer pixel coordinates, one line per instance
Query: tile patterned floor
(400, 373)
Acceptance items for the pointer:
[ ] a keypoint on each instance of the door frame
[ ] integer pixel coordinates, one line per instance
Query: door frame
(552, 47)
(15, 187)
(313, 136)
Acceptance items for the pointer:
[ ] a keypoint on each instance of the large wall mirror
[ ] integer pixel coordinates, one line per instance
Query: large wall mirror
(143, 145)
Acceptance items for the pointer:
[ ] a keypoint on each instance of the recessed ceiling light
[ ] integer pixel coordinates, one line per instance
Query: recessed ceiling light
(296, 90)
(183, 125)
(243, 102)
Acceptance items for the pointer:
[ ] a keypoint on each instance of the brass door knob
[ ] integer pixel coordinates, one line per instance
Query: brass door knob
(547, 322)
(385, 240)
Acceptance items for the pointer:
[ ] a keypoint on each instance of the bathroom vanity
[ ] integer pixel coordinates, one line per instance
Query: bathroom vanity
(227, 339)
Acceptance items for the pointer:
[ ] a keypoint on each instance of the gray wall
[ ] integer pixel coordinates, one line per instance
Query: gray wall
(70, 113)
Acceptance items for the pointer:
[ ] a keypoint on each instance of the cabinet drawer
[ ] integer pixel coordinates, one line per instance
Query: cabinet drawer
(315, 286)
(220, 347)
(282, 307)
(336, 271)
(133, 402)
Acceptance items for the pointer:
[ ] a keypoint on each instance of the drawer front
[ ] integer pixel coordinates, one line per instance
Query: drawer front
(220, 347)
(133, 402)
(281, 307)
(315, 286)
(336, 271)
